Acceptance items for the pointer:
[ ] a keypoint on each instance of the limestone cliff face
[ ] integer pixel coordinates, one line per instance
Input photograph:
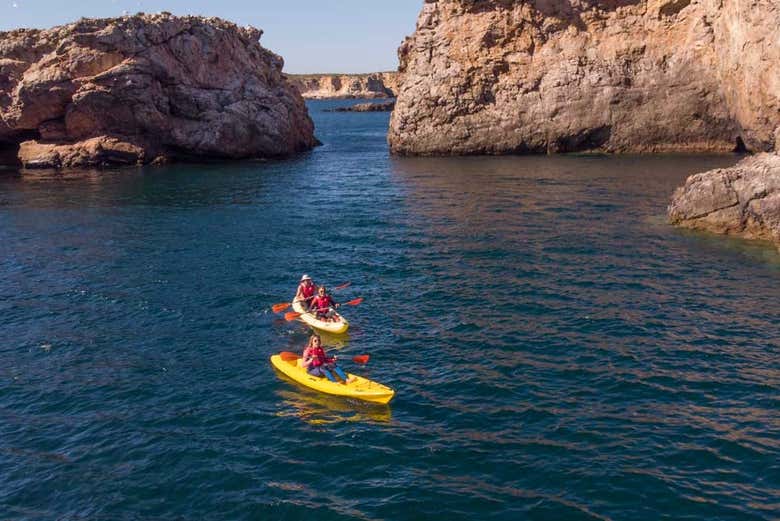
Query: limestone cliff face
(504, 76)
(344, 86)
(743, 200)
(147, 87)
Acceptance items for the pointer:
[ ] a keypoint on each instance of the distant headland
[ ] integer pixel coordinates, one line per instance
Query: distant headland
(347, 86)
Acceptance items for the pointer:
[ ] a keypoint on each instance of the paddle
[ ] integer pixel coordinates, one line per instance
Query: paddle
(292, 315)
(289, 356)
(361, 359)
(278, 308)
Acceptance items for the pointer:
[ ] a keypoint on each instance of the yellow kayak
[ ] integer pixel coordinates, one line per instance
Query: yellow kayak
(340, 325)
(361, 388)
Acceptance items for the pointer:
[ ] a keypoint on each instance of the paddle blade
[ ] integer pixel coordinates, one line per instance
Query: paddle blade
(292, 315)
(360, 359)
(342, 286)
(289, 356)
(354, 302)
(278, 308)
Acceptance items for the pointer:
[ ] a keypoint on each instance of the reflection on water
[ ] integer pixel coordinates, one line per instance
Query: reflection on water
(317, 408)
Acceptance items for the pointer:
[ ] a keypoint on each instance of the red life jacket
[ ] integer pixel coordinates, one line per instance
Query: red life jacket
(318, 356)
(307, 291)
(322, 303)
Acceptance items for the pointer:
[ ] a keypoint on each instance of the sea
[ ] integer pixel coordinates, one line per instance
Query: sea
(558, 350)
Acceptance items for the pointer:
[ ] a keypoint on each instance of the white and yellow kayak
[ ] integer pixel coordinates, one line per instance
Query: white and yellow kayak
(339, 325)
(360, 388)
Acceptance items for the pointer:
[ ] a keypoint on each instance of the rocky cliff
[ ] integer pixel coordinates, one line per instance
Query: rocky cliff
(541, 76)
(343, 86)
(142, 88)
(743, 200)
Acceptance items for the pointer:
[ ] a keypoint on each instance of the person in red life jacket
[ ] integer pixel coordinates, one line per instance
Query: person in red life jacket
(306, 291)
(323, 305)
(317, 363)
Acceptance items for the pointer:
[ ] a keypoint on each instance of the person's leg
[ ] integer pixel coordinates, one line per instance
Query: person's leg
(339, 371)
(328, 375)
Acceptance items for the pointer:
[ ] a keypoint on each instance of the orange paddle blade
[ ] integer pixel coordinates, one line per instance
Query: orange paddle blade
(361, 359)
(292, 315)
(342, 286)
(354, 302)
(289, 356)
(278, 308)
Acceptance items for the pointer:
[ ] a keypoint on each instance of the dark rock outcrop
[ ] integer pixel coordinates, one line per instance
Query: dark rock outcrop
(366, 107)
(145, 88)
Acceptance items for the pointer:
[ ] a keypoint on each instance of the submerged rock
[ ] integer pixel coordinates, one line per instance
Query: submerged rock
(542, 76)
(743, 200)
(145, 88)
(387, 106)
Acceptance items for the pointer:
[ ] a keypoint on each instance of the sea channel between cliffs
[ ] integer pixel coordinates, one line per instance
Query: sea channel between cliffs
(545, 330)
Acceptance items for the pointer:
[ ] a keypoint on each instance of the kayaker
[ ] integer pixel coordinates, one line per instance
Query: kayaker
(317, 363)
(323, 305)
(306, 291)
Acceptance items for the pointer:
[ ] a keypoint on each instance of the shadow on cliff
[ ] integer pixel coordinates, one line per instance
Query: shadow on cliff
(8, 156)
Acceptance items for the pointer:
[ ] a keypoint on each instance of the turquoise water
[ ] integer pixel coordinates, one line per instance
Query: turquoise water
(558, 351)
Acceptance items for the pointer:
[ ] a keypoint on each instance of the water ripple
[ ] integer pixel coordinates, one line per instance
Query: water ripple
(558, 351)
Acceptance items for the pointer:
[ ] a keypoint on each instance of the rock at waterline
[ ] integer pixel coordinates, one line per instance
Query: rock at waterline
(743, 200)
(145, 88)
(365, 107)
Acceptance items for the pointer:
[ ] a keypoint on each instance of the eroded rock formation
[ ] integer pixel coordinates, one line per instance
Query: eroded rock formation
(743, 200)
(143, 88)
(345, 86)
(540, 76)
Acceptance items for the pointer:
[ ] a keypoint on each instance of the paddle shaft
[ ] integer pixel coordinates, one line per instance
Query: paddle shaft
(292, 315)
(358, 359)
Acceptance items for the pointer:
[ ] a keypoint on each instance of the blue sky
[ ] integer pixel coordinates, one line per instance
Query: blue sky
(312, 36)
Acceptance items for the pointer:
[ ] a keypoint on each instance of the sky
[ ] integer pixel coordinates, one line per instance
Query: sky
(312, 36)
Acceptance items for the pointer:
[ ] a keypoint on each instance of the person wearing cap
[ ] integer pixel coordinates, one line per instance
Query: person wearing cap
(306, 290)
